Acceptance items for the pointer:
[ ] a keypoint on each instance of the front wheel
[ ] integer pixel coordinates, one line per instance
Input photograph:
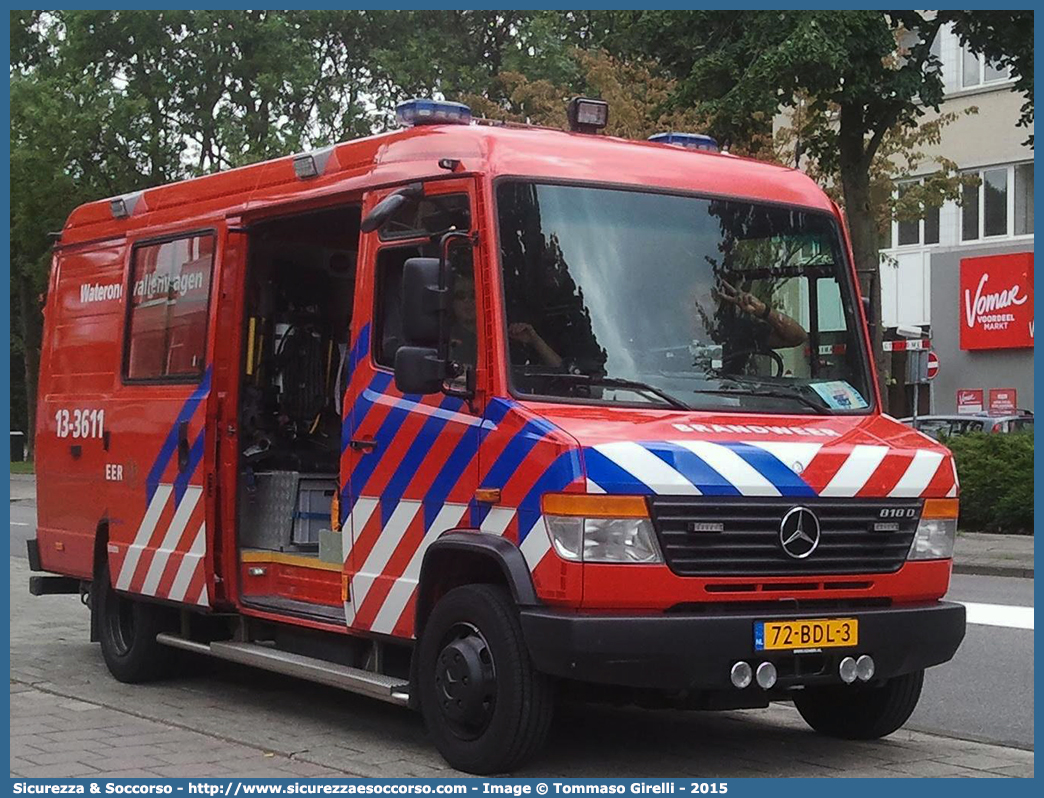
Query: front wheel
(861, 713)
(127, 631)
(486, 707)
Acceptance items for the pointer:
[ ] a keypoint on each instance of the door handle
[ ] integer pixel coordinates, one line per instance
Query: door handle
(364, 446)
(183, 446)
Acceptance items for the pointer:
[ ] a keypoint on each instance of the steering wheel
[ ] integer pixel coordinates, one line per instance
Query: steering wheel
(778, 367)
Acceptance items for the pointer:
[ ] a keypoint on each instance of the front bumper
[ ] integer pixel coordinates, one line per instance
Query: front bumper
(697, 651)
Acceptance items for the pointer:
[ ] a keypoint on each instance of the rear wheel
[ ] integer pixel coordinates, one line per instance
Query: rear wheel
(484, 704)
(127, 631)
(861, 713)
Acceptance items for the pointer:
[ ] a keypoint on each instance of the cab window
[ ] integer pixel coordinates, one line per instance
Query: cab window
(167, 309)
(388, 312)
(429, 216)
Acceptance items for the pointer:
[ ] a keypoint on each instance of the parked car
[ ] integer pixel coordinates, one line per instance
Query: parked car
(944, 426)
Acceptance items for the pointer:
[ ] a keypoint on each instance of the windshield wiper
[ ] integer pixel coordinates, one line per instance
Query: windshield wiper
(614, 382)
(769, 392)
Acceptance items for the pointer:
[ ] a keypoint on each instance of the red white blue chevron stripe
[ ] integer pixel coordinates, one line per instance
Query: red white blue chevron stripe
(768, 468)
(166, 555)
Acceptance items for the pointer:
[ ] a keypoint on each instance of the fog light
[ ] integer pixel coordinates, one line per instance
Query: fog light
(865, 668)
(847, 670)
(741, 675)
(766, 675)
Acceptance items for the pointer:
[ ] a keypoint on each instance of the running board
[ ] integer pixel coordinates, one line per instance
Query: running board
(355, 680)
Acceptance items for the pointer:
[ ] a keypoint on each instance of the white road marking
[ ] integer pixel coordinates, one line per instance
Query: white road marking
(19, 523)
(1005, 615)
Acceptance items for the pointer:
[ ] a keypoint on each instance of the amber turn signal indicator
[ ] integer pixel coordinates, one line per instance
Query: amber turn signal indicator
(940, 508)
(595, 505)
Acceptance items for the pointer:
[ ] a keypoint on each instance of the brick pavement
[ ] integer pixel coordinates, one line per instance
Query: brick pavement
(70, 718)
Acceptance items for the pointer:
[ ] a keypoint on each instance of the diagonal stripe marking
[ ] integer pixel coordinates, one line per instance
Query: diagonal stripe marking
(357, 519)
(536, 544)
(647, 468)
(917, 476)
(856, 471)
(782, 476)
(141, 538)
(188, 565)
(170, 539)
(733, 468)
(399, 595)
(383, 549)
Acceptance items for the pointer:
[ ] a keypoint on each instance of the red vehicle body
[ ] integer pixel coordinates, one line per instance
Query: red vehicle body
(226, 464)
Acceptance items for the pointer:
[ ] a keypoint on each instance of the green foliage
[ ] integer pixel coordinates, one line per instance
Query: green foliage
(996, 475)
(108, 101)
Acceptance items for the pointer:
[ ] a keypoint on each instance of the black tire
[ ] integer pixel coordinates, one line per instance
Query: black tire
(485, 705)
(861, 713)
(127, 631)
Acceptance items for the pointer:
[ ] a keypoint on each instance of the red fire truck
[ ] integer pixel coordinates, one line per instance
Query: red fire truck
(469, 413)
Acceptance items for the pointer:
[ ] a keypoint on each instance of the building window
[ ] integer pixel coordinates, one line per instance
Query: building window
(911, 232)
(167, 317)
(995, 202)
(970, 213)
(1001, 205)
(1024, 199)
(977, 71)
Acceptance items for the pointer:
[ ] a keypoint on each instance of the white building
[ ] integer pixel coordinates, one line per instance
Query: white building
(924, 260)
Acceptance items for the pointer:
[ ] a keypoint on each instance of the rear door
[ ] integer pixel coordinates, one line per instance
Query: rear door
(409, 467)
(161, 424)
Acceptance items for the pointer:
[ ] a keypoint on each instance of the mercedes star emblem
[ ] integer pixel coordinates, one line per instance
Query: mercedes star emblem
(799, 532)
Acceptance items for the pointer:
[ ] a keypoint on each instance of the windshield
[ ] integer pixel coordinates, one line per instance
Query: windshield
(631, 297)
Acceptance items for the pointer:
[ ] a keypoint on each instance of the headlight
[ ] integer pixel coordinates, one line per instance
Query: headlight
(936, 532)
(600, 528)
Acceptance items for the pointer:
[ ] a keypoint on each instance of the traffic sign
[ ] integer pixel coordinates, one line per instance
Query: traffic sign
(933, 365)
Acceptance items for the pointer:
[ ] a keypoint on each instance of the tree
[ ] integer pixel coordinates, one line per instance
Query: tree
(901, 154)
(741, 69)
(107, 102)
(637, 92)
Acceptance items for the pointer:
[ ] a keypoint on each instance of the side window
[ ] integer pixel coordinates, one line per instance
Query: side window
(463, 322)
(388, 312)
(464, 318)
(429, 215)
(167, 316)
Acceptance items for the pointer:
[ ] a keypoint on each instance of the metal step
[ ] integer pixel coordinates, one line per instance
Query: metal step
(355, 680)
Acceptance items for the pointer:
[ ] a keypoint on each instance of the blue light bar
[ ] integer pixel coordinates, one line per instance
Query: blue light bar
(690, 141)
(431, 112)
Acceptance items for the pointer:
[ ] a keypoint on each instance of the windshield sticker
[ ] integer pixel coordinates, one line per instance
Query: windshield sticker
(840, 395)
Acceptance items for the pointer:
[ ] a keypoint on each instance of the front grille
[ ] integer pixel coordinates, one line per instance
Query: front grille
(740, 536)
(776, 606)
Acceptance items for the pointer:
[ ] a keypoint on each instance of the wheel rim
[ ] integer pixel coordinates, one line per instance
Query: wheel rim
(466, 681)
(120, 620)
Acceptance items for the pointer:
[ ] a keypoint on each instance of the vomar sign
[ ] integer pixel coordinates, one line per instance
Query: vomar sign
(997, 302)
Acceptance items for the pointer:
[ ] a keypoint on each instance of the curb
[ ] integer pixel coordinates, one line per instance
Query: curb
(993, 570)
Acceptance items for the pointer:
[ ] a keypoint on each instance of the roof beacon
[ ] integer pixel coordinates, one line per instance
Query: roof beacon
(690, 141)
(432, 112)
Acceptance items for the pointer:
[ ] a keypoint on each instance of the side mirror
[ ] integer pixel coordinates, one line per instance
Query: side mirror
(382, 212)
(423, 365)
(387, 207)
(419, 369)
(424, 304)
